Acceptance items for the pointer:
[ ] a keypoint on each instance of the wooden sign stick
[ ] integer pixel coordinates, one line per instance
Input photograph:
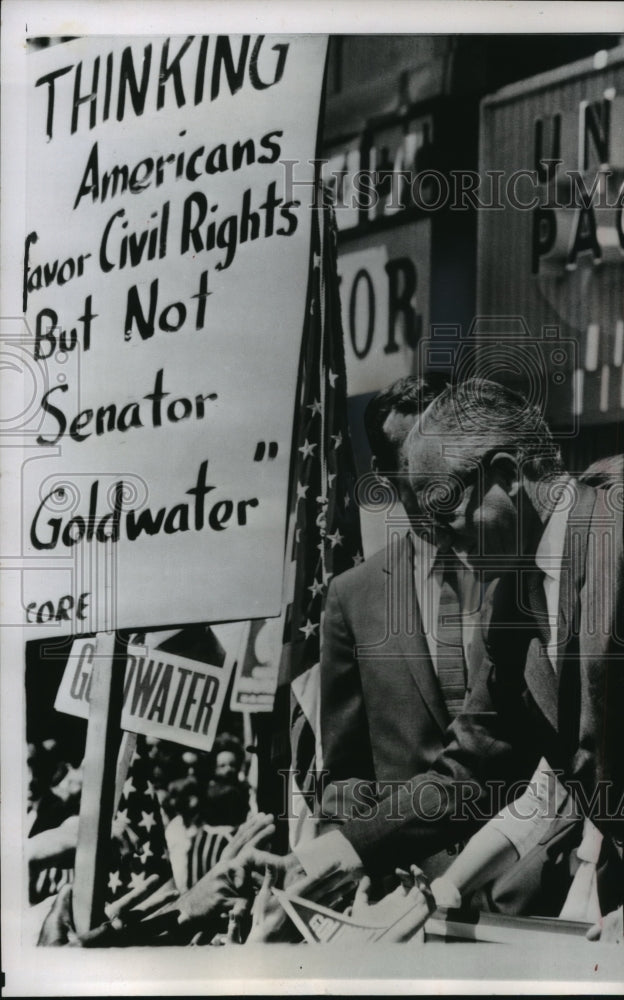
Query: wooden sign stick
(98, 789)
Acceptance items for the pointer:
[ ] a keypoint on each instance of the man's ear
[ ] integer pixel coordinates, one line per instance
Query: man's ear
(505, 472)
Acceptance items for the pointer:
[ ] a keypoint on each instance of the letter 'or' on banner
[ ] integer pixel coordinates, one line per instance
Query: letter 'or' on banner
(166, 254)
(164, 695)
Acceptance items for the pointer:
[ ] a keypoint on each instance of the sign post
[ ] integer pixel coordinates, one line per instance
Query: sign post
(98, 793)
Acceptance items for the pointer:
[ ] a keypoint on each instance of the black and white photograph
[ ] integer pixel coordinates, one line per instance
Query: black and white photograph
(312, 490)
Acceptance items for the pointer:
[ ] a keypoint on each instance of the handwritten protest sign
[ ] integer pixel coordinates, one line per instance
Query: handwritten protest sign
(165, 274)
(164, 695)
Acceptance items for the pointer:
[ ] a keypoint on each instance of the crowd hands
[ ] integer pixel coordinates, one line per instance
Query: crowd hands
(196, 791)
(233, 903)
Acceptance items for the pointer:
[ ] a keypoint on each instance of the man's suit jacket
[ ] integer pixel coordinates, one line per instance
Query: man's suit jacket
(520, 709)
(383, 717)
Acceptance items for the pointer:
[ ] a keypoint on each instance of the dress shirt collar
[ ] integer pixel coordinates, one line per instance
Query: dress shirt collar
(549, 553)
(425, 552)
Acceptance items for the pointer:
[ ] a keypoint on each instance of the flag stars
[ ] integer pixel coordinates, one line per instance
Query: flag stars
(332, 376)
(337, 439)
(301, 490)
(307, 449)
(128, 787)
(114, 882)
(120, 823)
(147, 820)
(347, 501)
(151, 791)
(316, 261)
(335, 539)
(316, 588)
(357, 559)
(315, 407)
(137, 880)
(330, 478)
(309, 628)
(147, 853)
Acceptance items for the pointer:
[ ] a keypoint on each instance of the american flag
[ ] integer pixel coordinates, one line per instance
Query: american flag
(139, 848)
(324, 535)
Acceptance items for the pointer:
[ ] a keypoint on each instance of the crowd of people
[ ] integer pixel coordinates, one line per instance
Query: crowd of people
(204, 798)
(472, 691)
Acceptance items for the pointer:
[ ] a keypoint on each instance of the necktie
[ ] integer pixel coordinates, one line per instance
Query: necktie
(450, 652)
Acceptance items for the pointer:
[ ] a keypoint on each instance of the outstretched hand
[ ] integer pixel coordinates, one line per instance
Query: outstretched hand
(270, 922)
(123, 915)
(254, 831)
(226, 882)
(609, 930)
(403, 912)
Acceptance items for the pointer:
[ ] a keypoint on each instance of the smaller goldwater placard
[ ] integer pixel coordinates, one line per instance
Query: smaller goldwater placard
(168, 696)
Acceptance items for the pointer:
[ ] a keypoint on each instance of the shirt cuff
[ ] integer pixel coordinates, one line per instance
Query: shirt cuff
(327, 853)
(526, 820)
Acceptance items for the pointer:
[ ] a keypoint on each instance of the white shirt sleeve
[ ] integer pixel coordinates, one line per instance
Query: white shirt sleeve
(526, 820)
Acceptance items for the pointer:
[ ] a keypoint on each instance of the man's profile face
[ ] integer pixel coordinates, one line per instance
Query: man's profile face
(465, 498)
(396, 429)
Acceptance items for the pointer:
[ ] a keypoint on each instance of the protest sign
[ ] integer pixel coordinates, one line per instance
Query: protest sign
(255, 675)
(166, 696)
(165, 275)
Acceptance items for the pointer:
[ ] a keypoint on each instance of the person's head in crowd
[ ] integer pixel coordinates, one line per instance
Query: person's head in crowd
(183, 799)
(46, 768)
(167, 761)
(70, 786)
(388, 418)
(228, 758)
(225, 804)
(486, 468)
(604, 473)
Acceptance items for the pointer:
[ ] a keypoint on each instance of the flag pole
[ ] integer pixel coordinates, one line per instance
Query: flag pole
(99, 781)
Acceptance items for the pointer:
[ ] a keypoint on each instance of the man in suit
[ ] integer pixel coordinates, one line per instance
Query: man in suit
(386, 700)
(485, 467)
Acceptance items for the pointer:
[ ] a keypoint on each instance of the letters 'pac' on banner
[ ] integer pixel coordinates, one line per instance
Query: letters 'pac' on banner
(166, 257)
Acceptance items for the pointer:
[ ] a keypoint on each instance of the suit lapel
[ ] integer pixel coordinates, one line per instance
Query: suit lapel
(573, 568)
(412, 640)
(542, 681)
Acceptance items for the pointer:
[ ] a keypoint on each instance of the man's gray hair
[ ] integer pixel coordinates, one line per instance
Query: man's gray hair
(482, 416)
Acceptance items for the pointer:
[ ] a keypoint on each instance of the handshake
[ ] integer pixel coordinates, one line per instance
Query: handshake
(233, 902)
